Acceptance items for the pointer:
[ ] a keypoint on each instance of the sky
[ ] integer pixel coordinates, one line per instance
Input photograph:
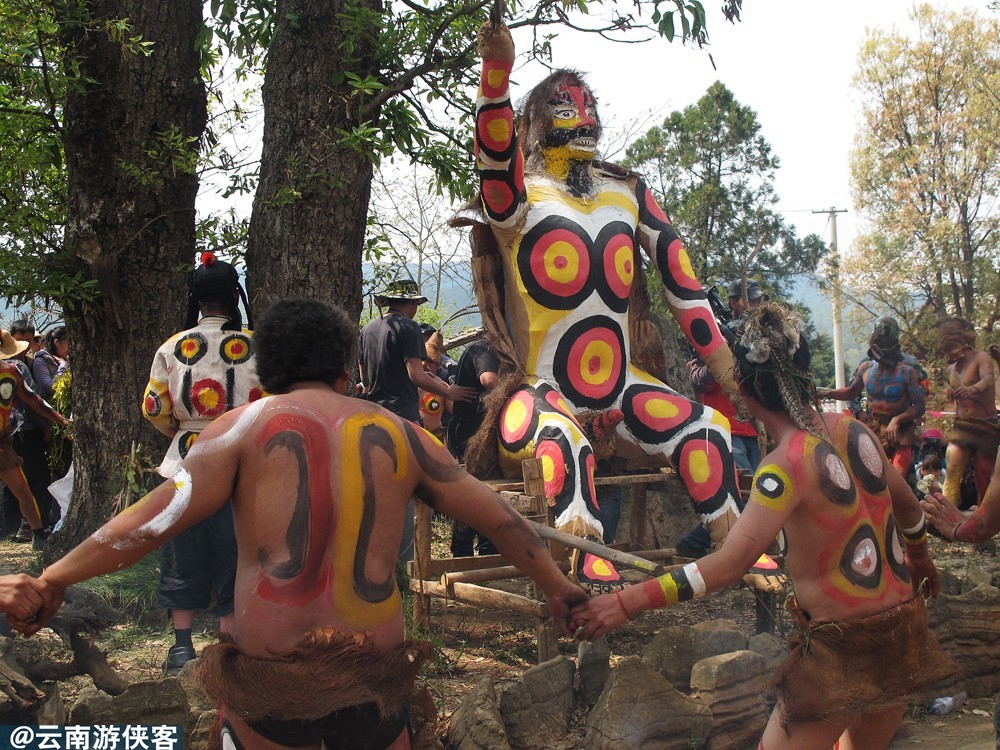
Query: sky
(792, 61)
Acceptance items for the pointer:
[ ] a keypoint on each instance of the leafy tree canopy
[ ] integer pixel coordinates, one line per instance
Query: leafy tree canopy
(714, 172)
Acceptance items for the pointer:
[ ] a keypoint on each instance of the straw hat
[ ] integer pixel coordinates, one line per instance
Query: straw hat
(9, 346)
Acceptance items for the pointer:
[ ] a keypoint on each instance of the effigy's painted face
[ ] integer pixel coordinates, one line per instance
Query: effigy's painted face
(574, 122)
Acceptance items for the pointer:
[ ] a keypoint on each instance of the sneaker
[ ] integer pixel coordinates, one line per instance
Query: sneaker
(177, 657)
(24, 533)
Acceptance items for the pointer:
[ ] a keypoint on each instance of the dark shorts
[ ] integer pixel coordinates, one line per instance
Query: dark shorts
(351, 728)
(198, 561)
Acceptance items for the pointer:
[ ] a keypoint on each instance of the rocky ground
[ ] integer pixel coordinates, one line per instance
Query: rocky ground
(473, 644)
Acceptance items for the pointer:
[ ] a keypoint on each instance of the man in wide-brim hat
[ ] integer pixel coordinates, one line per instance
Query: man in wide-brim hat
(391, 354)
(12, 386)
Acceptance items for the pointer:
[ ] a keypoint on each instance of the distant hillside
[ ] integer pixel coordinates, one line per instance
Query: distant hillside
(456, 295)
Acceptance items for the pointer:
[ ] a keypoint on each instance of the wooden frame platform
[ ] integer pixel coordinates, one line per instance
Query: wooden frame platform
(461, 579)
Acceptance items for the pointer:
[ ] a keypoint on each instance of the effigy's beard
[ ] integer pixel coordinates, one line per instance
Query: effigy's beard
(572, 166)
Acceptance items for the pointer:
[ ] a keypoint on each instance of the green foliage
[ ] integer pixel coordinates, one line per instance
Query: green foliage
(61, 448)
(714, 173)
(131, 590)
(138, 478)
(926, 171)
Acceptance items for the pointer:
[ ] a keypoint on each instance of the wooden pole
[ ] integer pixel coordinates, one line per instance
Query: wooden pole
(534, 486)
(421, 563)
(485, 575)
(599, 550)
(470, 593)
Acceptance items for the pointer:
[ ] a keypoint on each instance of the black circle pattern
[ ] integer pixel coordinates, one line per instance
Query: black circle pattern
(247, 351)
(858, 438)
(872, 580)
(560, 367)
(830, 488)
(200, 351)
(893, 541)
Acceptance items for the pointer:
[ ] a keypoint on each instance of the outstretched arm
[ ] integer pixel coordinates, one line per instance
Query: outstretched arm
(910, 518)
(978, 526)
(202, 485)
(498, 155)
(683, 292)
(852, 391)
(749, 538)
(447, 487)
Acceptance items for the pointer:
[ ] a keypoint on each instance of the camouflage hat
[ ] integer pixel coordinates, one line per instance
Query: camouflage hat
(754, 290)
(884, 341)
(400, 289)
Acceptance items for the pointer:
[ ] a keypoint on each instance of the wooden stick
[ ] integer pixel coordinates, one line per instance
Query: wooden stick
(605, 553)
(490, 574)
(470, 593)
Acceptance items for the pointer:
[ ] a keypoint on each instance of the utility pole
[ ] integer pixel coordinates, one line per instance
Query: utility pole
(838, 335)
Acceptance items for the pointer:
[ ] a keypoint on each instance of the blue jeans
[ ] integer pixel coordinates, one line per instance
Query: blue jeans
(746, 452)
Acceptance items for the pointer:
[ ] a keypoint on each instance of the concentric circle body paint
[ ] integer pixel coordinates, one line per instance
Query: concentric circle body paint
(236, 349)
(895, 556)
(653, 414)
(554, 263)
(190, 348)
(772, 488)
(865, 459)
(589, 364)
(208, 397)
(518, 421)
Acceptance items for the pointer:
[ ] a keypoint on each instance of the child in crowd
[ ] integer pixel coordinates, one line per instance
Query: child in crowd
(931, 476)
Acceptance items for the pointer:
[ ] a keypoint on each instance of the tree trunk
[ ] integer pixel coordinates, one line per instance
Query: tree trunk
(309, 214)
(130, 227)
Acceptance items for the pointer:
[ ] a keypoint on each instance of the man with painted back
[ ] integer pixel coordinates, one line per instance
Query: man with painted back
(319, 485)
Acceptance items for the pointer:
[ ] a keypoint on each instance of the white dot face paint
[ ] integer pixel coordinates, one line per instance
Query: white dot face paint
(870, 456)
(6, 390)
(231, 436)
(769, 484)
(837, 472)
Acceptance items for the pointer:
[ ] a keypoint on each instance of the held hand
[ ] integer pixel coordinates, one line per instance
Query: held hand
(598, 617)
(562, 601)
(495, 43)
(22, 596)
(945, 516)
(53, 598)
(461, 393)
(923, 574)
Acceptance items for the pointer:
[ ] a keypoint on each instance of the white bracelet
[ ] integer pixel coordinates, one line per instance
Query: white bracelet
(694, 579)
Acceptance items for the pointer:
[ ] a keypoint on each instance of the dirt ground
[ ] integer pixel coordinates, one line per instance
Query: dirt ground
(474, 643)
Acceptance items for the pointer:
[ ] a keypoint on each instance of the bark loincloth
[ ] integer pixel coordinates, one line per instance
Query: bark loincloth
(844, 669)
(980, 435)
(905, 436)
(8, 458)
(291, 696)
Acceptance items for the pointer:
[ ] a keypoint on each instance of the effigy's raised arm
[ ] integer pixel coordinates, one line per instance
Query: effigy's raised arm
(498, 155)
(683, 292)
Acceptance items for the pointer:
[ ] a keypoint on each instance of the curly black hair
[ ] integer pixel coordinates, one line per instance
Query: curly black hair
(303, 339)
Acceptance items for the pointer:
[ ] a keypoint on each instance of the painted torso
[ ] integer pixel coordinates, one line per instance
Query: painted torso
(318, 510)
(967, 372)
(843, 550)
(889, 392)
(572, 264)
